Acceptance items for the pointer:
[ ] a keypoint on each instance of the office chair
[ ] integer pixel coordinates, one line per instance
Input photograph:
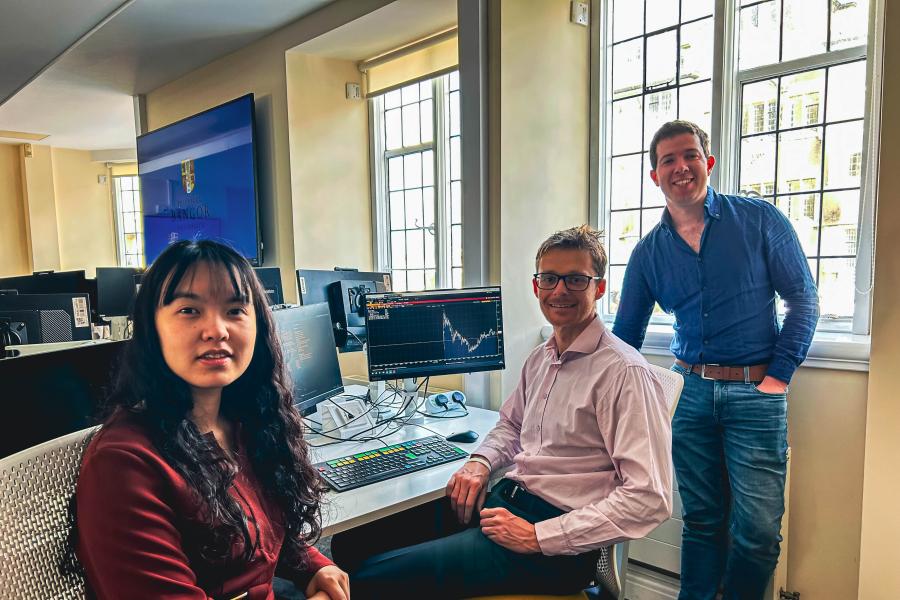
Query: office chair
(613, 562)
(35, 487)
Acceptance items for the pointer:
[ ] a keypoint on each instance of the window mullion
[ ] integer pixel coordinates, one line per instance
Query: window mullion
(441, 138)
(725, 96)
(378, 182)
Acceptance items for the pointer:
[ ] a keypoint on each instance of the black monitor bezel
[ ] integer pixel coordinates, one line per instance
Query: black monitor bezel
(450, 369)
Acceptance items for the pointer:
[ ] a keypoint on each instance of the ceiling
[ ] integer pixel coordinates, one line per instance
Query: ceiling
(71, 68)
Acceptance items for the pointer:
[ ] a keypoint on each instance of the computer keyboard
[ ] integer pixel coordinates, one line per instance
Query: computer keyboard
(356, 470)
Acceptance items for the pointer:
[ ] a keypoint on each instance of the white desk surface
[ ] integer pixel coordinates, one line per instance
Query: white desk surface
(345, 510)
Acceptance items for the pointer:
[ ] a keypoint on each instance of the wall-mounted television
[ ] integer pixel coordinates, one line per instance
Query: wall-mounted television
(198, 180)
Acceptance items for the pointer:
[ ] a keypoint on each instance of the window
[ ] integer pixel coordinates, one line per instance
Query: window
(785, 117)
(129, 221)
(419, 198)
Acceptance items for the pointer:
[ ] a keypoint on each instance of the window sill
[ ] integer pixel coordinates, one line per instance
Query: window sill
(829, 350)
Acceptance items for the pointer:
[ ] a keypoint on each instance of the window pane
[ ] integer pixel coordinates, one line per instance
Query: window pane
(410, 93)
(128, 224)
(453, 80)
(696, 51)
(398, 250)
(614, 279)
(456, 245)
(393, 130)
(456, 202)
(127, 201)
(801, 99)
(624, 233)
(802, 210)
(799, 160)
(846, 91)
(428, 167)
(392, 99)
(412, 170)
(430, 279)
(695, 104)
(653, 195)
(398, 280)
(849, 23)
(131, 246)
(662, 53)
(131, 260)
(395, 173)
(427, 114)
(428, 207)
(415, 280)
(759, 103)
(840, 217)
(398, 212)
(659, 108)
(649, 219)
(626, 126)
(628, 68)
(694, 9)
(843, 154)
(457, 277)
(837, 283)
(414, 214)
(626, 182)
(454, 159)
(805, 28)
(759, 31)
(661, 13)
(411, 135)
(425, 89)
(628, 19)
(454, 113)
(758, 163)
(415, 249)
(430, 250)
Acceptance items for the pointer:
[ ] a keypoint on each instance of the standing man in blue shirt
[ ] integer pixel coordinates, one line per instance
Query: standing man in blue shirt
(716, 262)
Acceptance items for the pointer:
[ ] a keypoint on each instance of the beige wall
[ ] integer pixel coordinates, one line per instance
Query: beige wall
(259, 68)
(13, 233)
(84, 212)
(40, 203)
(543, 150)
(879, 577)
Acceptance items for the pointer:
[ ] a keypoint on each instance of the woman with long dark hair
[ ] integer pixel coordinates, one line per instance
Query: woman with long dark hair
(199, 484)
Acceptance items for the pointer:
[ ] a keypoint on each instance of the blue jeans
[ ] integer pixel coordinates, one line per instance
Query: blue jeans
(729, 447)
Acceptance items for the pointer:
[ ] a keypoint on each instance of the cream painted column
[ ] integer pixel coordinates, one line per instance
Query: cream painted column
(543, 163)
(879, 577)
(40, 208)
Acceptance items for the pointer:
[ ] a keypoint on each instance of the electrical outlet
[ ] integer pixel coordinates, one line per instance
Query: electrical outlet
(353, 91)
(580, 13)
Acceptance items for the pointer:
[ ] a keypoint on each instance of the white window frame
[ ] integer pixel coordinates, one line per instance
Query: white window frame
(380, 206)
(833, 346)
(120, 226)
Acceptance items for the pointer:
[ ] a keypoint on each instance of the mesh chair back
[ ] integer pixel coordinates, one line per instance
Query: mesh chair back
(35, 487)
(672, 383)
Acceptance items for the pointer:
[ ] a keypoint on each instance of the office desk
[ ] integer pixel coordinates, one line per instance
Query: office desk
(345, 510)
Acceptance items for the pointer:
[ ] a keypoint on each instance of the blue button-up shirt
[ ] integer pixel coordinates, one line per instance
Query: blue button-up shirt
(723, 297)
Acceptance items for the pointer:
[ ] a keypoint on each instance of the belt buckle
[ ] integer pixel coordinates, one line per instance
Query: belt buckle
(514, 491)
(703, 371)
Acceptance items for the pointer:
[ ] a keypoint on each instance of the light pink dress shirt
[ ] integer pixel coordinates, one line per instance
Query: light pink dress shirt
(589, 432)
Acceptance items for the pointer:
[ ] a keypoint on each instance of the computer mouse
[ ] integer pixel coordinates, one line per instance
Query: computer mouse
(463, 436)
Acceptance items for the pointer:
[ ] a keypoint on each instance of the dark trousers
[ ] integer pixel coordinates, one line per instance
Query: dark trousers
(425, 553)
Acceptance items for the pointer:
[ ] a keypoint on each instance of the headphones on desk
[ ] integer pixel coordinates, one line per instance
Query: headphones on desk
(446, 403)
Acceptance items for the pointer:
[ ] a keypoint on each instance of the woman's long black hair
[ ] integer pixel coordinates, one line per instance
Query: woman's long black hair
(260, 400)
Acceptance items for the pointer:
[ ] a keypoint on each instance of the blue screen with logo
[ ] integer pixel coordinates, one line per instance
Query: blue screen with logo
(198, 180)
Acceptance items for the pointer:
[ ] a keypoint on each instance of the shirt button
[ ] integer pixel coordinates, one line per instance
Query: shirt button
(705, 315)
(705, 341)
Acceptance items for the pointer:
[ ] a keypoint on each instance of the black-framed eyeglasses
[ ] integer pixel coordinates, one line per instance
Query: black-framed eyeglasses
(574, 282)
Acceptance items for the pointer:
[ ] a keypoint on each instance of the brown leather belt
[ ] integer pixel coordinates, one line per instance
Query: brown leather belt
(747, 374)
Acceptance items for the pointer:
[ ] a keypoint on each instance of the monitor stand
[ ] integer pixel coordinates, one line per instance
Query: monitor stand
(410, 402)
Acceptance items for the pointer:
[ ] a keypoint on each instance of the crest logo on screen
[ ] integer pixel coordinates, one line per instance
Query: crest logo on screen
(187, 175)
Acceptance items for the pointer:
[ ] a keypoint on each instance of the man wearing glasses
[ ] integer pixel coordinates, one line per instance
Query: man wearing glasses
(716, 262)
(587, 434)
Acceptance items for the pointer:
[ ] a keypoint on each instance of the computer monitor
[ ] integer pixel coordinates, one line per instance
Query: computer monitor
(54, 282)
(270, 277)
(44, 318)
(438, 332)
(309, 352)
(344, 290)
(54, 393)
(116, 290)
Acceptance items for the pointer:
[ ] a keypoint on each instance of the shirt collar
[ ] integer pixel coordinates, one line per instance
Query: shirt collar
(711, 205)
(586, 342)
